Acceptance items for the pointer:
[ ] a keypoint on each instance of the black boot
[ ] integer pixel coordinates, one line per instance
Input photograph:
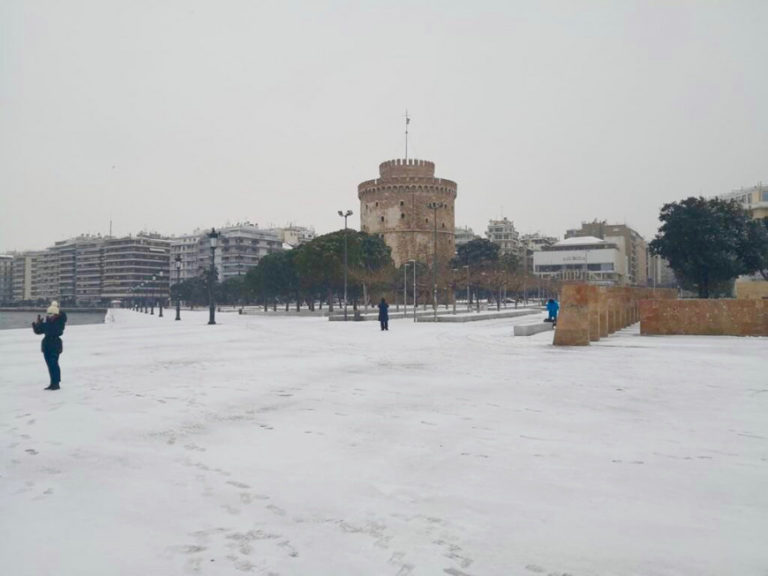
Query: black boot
(52, 387)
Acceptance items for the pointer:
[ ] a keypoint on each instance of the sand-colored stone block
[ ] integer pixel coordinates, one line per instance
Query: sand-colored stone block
(573, 319)
(588, 313)
(751, 289)
(704, 317)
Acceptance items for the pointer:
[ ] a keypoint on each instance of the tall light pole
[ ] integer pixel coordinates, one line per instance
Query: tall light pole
(152, 289)
(469, 308)
(162, 295)
(213, 236)
(434, 206)
(178, 284)
(345, 215)
(405, 289)
(414, 288)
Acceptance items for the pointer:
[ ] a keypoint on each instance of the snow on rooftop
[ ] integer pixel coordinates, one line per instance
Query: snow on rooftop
(300, 446)
(579, 241)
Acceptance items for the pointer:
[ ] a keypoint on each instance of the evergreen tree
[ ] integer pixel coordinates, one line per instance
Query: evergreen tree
(706, 242)
(476, 252)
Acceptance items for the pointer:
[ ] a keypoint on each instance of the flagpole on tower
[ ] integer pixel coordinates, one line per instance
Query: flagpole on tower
(407, 121)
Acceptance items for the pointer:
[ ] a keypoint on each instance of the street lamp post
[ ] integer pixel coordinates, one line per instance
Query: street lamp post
(162, 296)
(414, 289)
(405, 289)
(434, 206)
(213, 236)
(469, 308)
(345, 215)
(151, 290)
(178, 282)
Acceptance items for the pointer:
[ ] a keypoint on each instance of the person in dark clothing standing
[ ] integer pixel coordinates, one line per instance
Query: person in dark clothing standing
(384, 314)
(53, 327)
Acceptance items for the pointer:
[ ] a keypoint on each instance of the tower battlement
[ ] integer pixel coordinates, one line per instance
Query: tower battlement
(402, 167)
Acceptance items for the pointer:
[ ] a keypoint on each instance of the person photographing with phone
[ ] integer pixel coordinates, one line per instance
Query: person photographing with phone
(52, 326)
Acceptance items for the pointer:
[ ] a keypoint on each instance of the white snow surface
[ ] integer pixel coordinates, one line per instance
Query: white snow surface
(274, 445)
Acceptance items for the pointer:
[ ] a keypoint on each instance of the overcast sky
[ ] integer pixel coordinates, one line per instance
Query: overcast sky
(176, 114)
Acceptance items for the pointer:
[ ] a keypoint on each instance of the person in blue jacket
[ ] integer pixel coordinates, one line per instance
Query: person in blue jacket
(384, 314)
(52, 326)
(552, 308)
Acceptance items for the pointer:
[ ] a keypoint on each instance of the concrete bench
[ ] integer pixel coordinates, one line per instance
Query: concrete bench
(531, 329)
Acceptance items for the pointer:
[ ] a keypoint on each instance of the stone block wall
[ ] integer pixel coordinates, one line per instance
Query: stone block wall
(705, 317)
(588, 313)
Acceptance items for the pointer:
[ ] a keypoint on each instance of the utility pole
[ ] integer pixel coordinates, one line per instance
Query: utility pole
(345, 215)
(434, 206)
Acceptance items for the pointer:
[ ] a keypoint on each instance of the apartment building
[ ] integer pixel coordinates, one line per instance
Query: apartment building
(294, 235)
(532, 243)
(632, 247)
(463, 235)
(187, 250)
(45, 276)
(89, 267)
(239, 248)
(6, 278)
(502, 233)
(136, 267)
(754, 199)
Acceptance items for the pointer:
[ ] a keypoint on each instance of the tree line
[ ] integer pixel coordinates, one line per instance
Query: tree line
(312, 274)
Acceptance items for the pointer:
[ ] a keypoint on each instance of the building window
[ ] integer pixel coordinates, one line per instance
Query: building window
(382, 218)
(402, 215)
(402, 203)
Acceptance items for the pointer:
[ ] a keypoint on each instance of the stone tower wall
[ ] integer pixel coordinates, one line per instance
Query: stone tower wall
(395, 206)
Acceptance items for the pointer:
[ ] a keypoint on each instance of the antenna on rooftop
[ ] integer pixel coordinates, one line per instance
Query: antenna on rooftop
(407, 121)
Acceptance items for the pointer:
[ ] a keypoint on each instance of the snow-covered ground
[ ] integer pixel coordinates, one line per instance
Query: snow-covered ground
(277, 445)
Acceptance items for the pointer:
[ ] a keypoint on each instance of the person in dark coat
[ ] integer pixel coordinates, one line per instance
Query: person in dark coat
(384, 314)
(52, 326)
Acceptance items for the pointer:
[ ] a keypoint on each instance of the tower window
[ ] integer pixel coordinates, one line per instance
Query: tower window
(443, 224)
(377, 204)
(402, 203)
(426, 220)
(382, 218)
(402, 215)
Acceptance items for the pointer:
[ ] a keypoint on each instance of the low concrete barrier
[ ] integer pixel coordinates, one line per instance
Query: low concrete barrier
(531, 329)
